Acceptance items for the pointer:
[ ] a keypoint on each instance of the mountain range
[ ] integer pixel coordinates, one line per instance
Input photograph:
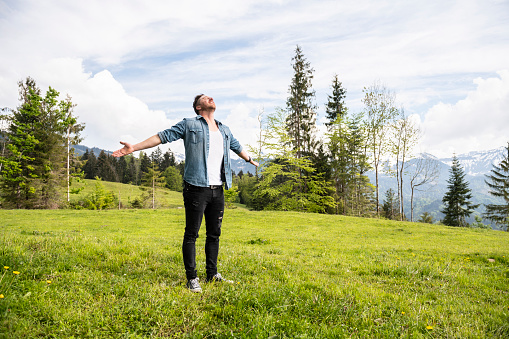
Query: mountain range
(476, 165)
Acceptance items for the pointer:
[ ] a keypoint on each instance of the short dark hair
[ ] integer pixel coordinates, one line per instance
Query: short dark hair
(196, 99)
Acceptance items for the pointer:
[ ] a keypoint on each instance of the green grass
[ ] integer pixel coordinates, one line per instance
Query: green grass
(127, 193)
(120, 274)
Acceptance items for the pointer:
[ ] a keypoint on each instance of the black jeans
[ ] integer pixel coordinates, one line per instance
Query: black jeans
(199, 201)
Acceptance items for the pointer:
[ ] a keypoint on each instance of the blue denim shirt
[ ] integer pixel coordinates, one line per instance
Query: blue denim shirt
(195, 133)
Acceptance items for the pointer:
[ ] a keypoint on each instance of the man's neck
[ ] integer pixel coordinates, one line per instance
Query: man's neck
(209, 118)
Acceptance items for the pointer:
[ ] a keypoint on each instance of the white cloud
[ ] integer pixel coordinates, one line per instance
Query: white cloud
(109, 113)
(243, 123)
(478, 122)
(133, 66)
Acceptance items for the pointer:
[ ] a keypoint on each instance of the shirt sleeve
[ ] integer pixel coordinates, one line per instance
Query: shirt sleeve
(234, 144)
(176, 132)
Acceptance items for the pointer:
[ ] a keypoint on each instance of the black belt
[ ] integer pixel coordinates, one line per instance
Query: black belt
(212, 187)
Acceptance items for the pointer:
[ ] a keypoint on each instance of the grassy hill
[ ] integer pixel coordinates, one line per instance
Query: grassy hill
(119, 273)
(127, 193)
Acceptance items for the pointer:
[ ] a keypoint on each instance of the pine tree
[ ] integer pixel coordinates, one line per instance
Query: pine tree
(282, 178)
(391, 205)
(106, 167)
(168, 160)
(301, 118)
(338, 135)
(121, 169)
(426, 218)
(153, 179)
(131, 174)
(90, 164)
(498, 182)
(156, 157)
(33, 168)
(457, 199)
(145, 163)
(335, 107)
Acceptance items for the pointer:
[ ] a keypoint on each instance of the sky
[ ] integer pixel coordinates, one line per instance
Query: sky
(134, 67)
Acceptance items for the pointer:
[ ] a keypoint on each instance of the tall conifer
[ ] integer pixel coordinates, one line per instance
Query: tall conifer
(301, 119)
(498, 182)
(457, 202)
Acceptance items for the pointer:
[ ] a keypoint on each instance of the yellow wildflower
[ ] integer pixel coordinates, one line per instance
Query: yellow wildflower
(15, 272)
(429, 327)
(6, 267)
(48, 281)
(403, 312)
(1, 296)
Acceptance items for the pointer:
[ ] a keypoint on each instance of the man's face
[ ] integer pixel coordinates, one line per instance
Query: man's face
(207, 103)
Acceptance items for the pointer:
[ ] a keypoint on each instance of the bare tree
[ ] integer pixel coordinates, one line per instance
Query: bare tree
(4, 124)
(73, 129)
(426, 172)
(257, 150)
(405, 135)
(380, 112)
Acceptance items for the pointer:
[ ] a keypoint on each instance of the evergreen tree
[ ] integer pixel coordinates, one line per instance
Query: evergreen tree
(426, 218)
(390, 206)
(33, 168)
(348, 165)
(167, 160)
(156, 157)
(106, 167)
(153, 179)
(335, 107)
(145, 163)
(131, 175)
(301, 118)
(339, 158)
(360, 195)
(457, 199)
(498, 182)
(90, 164)
(285, 175)
(121, 169)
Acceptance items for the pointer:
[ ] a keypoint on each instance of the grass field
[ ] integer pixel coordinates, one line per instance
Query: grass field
(119, 274)
(127, 193)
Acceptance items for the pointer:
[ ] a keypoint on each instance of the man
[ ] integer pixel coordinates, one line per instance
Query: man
(207, 145)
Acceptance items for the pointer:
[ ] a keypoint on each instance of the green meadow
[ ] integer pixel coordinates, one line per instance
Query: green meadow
(119, 274)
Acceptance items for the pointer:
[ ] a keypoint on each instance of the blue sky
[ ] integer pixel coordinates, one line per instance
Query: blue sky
(133, 67)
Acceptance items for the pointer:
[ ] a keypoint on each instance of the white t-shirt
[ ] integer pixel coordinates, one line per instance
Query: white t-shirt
(215, 158)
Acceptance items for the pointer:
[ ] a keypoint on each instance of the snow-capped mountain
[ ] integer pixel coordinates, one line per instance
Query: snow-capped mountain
(478, 163)
(476, 166)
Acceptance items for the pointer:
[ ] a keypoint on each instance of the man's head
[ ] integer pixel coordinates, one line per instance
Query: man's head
(203, 102)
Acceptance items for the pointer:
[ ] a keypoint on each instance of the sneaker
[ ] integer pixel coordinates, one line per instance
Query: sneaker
(194, 285)
(218, 278)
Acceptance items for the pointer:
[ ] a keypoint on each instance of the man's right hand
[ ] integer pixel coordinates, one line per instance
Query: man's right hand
(127, 149)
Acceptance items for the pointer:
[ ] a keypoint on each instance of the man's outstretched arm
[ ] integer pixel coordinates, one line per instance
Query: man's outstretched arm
(247, 158)
(129, 148)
